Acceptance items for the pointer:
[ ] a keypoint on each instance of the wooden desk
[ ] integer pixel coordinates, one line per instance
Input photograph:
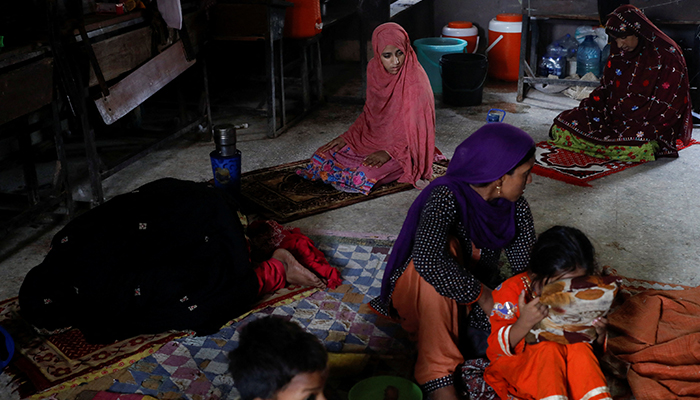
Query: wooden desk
(26, 87)
(263, 20)
(120, 49)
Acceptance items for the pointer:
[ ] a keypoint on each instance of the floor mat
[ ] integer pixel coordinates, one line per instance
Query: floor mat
(66, 360)
(578, 169)
(51, 364)
(362, 344)
(278, 193)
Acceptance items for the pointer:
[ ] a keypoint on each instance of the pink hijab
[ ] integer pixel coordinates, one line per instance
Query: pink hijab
(399, 112)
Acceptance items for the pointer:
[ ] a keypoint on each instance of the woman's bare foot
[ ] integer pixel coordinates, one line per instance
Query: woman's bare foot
(297, 274)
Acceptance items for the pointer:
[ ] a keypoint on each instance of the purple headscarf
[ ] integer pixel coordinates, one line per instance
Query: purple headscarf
(485, 156)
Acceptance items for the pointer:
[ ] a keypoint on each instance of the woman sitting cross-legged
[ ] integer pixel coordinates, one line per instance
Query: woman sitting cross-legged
(446, 258)
(394, 137)
(642, 106)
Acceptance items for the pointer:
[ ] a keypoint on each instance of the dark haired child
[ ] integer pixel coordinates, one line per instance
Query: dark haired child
(553, 368)
(277, 359)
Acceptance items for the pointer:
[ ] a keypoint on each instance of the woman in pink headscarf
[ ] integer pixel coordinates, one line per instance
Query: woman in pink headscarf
(394, 137)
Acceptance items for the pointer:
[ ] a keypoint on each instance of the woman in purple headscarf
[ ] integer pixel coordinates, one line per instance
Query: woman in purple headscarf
(447, 254)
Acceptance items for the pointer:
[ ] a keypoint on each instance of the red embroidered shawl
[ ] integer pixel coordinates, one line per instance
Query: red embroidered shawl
(644, 94)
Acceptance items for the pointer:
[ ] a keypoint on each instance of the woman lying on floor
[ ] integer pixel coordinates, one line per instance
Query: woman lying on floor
(170, 255)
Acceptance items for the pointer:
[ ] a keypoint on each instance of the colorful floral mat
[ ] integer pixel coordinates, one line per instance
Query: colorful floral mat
(278, 193)
(360, 343)
(578, 169)
(50, 364)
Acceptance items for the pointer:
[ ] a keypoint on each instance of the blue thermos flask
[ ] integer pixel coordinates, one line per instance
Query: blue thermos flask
(226, 159)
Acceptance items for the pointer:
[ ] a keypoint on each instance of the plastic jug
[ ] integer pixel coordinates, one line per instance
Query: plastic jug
(553, 62)
(504, 46)
(463, 30)
(303, 19)
(588, 57)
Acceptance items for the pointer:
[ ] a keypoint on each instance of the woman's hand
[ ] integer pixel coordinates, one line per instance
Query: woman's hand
(601, 328)
(334, 145)
(376, 159)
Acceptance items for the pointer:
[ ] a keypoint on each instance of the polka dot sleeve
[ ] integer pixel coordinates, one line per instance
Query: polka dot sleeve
(518, 252)
(430, 256)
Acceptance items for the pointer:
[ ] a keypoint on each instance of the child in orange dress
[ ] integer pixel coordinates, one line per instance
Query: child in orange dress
(545, 370)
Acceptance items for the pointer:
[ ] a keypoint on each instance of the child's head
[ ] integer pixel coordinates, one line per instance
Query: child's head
(562, 252)
(277, 359)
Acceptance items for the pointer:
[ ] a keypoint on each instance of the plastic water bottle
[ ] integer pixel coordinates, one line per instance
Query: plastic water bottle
(588, 57)
(554, 61)
(570, 44)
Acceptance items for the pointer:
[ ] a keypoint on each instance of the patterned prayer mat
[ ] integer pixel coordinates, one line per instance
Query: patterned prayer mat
(361, 343)
(278, 193)
(51, 364)
(578, 169)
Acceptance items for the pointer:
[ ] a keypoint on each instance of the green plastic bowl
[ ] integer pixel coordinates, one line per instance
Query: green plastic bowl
(373, 388)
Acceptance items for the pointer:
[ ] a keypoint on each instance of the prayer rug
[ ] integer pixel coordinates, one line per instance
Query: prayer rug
(578, 169)
(278, 193)
(360, 342)
(51, 364)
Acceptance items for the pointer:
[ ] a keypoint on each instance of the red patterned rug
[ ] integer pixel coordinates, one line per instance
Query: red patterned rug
(578, 169)
(51, 364)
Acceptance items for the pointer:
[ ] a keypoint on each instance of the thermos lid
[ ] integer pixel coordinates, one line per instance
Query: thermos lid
(225, 135)
(459, 24)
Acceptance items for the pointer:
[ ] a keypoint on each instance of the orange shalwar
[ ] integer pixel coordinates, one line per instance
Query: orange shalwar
(432, 320)
(545, 370)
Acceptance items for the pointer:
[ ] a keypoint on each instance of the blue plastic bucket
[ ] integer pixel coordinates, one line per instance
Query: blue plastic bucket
(429, 51)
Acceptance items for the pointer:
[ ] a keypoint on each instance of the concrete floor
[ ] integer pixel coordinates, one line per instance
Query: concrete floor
(643, 220)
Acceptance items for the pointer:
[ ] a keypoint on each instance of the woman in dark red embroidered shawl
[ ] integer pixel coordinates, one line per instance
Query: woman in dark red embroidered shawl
(394, 137)
(643, 105)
